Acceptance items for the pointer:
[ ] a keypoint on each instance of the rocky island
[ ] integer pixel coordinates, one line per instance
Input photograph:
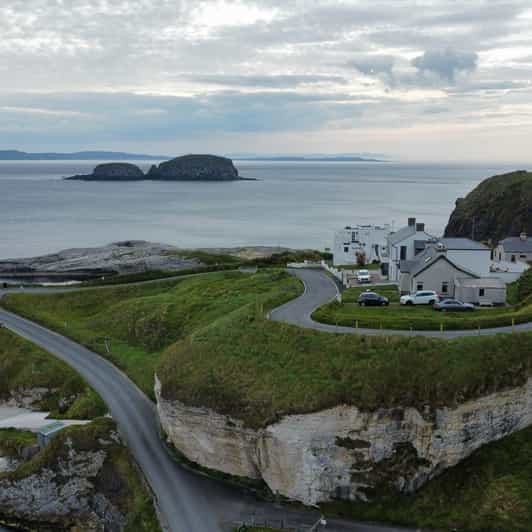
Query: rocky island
(185, 168)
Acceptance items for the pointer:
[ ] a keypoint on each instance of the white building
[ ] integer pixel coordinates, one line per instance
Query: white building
(514, 249)
(405, 244)
(370, 240)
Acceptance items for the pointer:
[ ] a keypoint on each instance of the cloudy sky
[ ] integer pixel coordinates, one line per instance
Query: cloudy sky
(425, 79)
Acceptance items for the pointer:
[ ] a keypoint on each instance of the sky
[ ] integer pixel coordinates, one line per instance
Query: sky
(437, 80)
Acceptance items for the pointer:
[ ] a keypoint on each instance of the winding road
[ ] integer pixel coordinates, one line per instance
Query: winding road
(320, 289)
(186, 501)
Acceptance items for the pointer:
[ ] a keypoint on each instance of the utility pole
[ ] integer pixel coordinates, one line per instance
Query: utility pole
(473, 229)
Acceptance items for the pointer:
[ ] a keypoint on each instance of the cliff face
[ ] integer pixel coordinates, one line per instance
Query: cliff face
(195, 168)
(344, 453)
(498, 207)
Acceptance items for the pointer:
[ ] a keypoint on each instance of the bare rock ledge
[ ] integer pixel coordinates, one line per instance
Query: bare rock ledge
(344, 452)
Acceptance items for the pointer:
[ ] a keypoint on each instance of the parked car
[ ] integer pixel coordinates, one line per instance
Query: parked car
(421, 297)
(363, 276)
(372, 299)
(453, 305)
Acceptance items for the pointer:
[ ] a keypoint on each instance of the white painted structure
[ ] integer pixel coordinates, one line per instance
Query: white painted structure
(371, 240)
(514, 249)
(469, 254)
(405, 244)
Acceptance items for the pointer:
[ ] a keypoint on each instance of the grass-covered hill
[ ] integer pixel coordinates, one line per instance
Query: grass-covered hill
(209, 341)
(499, 206)
(23, 367)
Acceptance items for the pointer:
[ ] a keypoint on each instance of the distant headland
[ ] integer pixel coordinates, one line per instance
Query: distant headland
(184, 168)
(17, 155)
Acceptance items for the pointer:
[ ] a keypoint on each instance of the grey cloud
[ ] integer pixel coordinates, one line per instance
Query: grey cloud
(266, 81)
(446, 63)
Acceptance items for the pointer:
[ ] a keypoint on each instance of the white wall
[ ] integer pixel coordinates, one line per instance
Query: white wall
(361, 239)
(395, 253)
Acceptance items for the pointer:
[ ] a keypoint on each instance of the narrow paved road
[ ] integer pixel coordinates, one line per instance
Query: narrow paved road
(321, 289)
(187, 501)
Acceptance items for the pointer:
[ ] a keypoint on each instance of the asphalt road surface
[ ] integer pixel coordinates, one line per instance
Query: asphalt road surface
(320, 289)
(187, 501)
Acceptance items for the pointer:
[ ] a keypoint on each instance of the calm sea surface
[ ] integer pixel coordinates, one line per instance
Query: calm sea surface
(293, 204)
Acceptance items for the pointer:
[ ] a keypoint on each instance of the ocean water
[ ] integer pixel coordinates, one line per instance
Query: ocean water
(295, 204)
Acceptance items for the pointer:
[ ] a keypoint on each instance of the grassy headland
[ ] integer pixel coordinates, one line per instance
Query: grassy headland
(25, 366)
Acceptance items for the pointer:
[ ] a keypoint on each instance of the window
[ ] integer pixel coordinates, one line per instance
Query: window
(346, 249)
(522, 256)
(419, 286)
(354, 237)
(481, 292)
(513, 258)
(445, 287)
(403, 253)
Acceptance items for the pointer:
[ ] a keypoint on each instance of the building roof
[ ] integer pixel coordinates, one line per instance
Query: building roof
(463, 244)
(515, 244)
(51, 428)
(426, 259)
(481, 282)
(401, 234)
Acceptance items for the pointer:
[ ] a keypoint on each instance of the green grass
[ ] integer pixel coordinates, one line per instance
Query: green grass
(390, 291)
(419, 317)
(207, 258)
(119, 478)
(140, 321)
(489, 491)
(372, 266)
(23, 365)
(13, 440)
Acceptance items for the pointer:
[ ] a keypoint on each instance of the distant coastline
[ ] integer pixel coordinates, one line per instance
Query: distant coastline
(317, 159)
(16, 155)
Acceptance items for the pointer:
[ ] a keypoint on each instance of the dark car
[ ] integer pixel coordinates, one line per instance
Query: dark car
(453, 305)
(372, 298)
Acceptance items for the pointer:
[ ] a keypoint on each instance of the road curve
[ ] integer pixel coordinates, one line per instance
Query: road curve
(320, 289)
(187, 501)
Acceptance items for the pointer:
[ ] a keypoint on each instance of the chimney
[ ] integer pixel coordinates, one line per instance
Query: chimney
(411, 222)
(420, 228)
(523, 236)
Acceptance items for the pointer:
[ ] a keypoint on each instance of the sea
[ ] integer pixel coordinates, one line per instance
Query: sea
(293, 204)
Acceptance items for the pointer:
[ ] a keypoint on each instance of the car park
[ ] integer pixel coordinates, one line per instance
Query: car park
(372, 299)
(421, 297)
(363, 276)
(453, 305)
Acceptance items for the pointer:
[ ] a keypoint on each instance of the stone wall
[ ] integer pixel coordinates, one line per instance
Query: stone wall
(343, 452)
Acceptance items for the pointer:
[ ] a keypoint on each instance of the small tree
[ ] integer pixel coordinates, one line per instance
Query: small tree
(361, 258)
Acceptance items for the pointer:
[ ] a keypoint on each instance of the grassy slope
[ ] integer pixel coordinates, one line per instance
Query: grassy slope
(500, 206)
(12, 440)
(423, 317)
(140, 321)
(489, 491)
(119, 478)
(24, 365)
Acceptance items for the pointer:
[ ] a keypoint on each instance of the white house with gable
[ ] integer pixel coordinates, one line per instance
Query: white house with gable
(405, 244)
(371, 240)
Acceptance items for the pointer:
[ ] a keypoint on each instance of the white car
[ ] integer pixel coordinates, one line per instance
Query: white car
(363, 276)
(421, 297)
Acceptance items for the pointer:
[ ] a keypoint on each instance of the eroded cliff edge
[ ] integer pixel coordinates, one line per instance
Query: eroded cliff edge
(343, 452)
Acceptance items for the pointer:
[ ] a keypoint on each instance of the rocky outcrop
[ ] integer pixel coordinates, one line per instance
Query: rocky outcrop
(113, 172)
(195, 168)
(72, 485)
(498, 207)
(343, 452)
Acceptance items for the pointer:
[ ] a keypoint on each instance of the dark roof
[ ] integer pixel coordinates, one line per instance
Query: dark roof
(514, 244)
(463, 243)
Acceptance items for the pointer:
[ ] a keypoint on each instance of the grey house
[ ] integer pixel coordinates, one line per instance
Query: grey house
(514, 248)
(432, 269)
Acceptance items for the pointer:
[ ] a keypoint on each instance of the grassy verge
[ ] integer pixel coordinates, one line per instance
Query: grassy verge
(489, 491)
(390, 291)
(24, 366)
(13, 440)
(418, 318)
(138, 322)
